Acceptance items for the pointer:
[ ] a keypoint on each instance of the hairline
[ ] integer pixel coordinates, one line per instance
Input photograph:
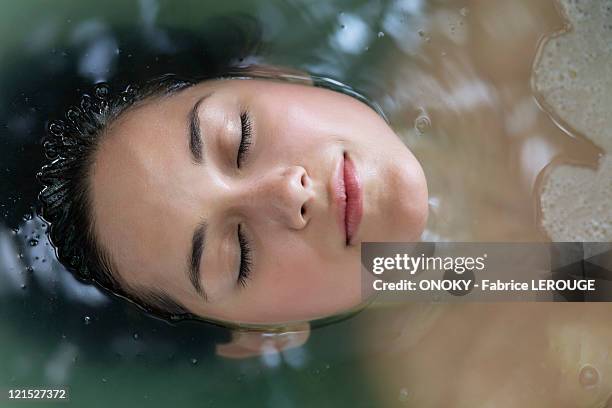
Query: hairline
(145, 297)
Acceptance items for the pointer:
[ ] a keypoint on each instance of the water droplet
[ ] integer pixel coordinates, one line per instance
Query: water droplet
(33, 242)
(421, 33)
(403, 395)
(16, 230)
(30, 269)
(464, 11)
(342, 26)
(104, 380)
(588, 376)
(87, 319)
(381, 34)
(23, 286)
(194, 361)
(136, 336)
(20, 255)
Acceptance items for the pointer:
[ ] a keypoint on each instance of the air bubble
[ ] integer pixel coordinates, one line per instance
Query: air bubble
(86, 102)
(87, 320)
(422, 124)
(464, 11)
(194, 361)
(136, 336)
(128, 93)
(380, 34)
(56, 128)
(73, 114)
(588, 376)
(33, 242)
(102, 91)
(23, 286)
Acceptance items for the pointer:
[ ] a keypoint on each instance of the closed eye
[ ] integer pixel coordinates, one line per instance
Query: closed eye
(244, 272)
(245, 140)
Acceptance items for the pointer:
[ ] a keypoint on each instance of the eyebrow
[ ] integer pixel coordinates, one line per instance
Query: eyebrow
(197, 248)
(198, 239)
(195, 133)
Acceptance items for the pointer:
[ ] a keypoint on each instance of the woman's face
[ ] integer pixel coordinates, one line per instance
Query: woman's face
(268, 232)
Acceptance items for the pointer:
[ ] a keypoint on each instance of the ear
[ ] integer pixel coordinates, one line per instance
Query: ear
(246, 344)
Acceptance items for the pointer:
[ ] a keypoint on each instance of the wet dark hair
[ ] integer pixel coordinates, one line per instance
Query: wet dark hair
(71, 144)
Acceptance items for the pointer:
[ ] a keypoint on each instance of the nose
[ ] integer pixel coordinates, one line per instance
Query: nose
(283, 194)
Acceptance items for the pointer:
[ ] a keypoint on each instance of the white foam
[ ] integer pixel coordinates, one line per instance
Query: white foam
(573, 74)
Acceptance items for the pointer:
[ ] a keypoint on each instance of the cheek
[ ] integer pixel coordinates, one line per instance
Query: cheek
(303, 281)
(407, 206)
(300, 124)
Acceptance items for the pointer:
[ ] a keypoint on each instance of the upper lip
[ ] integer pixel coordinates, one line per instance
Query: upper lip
(347, 197)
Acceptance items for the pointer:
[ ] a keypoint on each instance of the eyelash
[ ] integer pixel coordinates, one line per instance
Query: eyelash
(245, 258)
(245, 141)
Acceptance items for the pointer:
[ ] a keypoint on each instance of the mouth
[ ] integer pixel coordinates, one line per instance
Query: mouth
(348, 197)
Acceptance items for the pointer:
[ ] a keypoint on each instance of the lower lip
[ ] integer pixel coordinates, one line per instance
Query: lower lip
(354, 204)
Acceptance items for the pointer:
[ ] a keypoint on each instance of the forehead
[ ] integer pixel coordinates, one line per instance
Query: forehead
(138, 182)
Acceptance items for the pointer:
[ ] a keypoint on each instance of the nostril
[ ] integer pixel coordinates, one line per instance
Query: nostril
(303, 210)
(303, 180)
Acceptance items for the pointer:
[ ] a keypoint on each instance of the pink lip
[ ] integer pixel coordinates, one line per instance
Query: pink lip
(348, 197)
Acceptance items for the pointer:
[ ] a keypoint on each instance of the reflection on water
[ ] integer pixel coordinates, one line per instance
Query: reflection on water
(508, 355)
(486, 139)
(455, 78)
